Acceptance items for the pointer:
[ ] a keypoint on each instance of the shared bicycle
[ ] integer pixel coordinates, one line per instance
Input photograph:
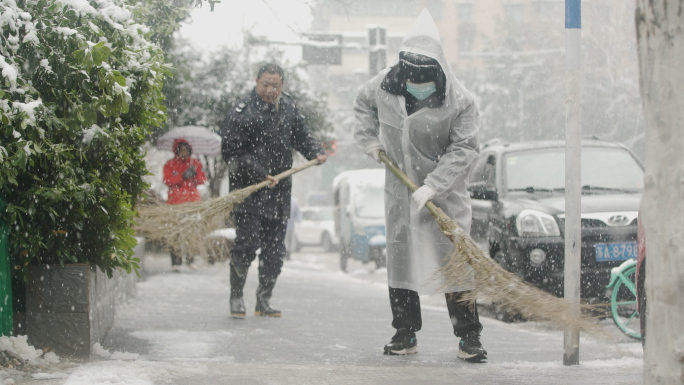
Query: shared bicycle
(623, 298)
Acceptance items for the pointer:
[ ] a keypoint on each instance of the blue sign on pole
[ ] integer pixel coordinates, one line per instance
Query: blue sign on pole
(573, 34)
(573, 13)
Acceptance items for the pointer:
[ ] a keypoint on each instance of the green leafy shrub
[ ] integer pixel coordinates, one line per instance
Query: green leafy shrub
(80, 87)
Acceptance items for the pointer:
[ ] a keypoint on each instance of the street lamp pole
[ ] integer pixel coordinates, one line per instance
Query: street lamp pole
(573, 169)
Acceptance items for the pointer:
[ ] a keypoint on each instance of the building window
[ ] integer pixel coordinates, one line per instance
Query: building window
(514, 12)
(464, 12)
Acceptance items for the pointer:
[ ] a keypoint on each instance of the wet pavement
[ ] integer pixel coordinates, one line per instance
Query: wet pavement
(177, 330)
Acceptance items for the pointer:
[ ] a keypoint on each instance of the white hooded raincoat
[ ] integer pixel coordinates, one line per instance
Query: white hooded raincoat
(433, 146)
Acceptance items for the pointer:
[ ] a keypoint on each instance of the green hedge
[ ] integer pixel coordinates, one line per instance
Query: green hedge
(80, 86)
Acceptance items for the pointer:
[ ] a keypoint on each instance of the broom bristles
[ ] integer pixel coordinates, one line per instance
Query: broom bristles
(184, 227)
(504, 288)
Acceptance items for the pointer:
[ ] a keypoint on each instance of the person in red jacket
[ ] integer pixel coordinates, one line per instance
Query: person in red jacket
(182, 174)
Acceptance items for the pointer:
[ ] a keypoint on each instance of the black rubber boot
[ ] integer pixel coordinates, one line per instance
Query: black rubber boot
(237, 283)
(403, 342)
(237, 308)
(263, 295)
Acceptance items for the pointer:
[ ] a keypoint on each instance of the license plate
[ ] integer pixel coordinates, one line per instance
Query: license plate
(615, 251)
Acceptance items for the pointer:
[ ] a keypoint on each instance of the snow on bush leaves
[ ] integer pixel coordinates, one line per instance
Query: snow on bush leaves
(68, 66)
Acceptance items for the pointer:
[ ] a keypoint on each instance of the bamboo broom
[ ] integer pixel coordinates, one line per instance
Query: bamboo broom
(494, 282)
(184, 227)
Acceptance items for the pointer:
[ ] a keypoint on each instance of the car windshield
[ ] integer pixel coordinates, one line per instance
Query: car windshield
(603, 169)
(370, 202)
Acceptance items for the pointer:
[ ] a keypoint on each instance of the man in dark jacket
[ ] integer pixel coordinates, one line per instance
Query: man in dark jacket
(257, 141)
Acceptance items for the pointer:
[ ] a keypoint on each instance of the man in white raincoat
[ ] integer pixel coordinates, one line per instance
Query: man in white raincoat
(427, 123)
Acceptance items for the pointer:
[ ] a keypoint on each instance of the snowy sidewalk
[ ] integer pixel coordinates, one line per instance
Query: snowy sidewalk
(334, 325)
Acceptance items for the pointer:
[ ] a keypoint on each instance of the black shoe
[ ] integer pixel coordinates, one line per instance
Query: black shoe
(264, 291)
(470, 348)
(403, 342)
(237, 308)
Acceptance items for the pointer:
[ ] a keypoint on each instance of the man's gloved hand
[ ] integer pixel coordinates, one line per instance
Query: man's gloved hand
(422, 195)
(189, 173)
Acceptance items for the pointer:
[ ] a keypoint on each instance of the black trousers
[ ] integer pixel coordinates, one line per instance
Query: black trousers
(254, 232)
(406, 312)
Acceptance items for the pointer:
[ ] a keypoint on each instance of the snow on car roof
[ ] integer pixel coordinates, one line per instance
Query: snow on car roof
(365, 177)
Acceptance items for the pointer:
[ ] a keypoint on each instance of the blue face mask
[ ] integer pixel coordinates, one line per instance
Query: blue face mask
(421, 91)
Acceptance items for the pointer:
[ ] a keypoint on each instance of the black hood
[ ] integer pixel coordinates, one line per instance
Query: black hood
(395, 83)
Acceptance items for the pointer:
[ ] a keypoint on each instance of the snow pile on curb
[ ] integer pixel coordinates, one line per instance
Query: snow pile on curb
(33, 356)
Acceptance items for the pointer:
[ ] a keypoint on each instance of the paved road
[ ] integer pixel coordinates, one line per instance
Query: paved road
(334, 325)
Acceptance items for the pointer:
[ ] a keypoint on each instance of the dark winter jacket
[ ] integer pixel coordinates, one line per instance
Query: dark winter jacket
(182, 190)
(257, 140)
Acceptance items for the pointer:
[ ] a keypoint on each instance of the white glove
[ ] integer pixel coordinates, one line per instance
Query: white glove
(374, 152)
(422, 195)
(376, 155)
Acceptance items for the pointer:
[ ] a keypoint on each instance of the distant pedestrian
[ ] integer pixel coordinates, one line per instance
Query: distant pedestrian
(182, 174)
(295, 217)
(427, 123)
(258, 137)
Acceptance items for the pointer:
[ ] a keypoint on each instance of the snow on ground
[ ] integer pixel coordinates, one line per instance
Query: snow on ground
(33, 356)
(176, 331)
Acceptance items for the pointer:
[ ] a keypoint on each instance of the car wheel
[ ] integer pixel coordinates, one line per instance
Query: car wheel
(500, 313)
(326, 242)
(344, 256)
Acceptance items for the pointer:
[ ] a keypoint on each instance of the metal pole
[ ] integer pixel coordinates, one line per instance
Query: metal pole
(573, 169)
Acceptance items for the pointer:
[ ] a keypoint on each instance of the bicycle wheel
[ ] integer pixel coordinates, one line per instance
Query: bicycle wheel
(623, 304)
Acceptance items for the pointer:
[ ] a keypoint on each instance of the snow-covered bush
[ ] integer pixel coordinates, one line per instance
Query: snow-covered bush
(80, 86)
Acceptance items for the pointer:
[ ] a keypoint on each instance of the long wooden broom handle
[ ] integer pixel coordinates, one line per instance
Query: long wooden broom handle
(287, 173)
(408, 182)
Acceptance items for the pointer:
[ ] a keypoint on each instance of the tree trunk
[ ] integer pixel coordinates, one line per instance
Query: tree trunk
(220, 170)
(215, 170)
(660, 38)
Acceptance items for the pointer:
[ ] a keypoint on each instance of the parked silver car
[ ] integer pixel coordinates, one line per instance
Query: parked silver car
(317, 227)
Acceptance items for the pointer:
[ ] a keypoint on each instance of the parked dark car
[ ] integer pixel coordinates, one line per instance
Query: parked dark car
(519, 210)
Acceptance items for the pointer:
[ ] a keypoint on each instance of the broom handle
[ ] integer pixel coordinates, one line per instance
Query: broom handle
(286, 174)
(408, 182)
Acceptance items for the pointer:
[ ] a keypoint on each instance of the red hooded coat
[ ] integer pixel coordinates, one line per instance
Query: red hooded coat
(182, 190)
